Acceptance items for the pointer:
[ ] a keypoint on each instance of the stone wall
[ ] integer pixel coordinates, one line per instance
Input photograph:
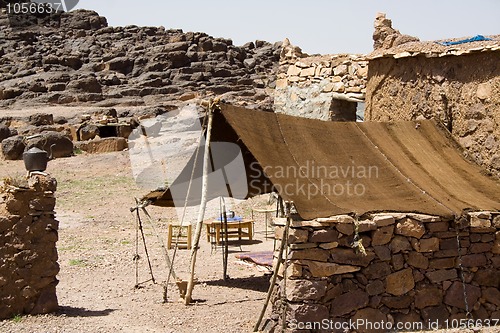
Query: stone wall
(28, 254)
(321, 87)
(413, 270)
(463, 96)
(458, 85)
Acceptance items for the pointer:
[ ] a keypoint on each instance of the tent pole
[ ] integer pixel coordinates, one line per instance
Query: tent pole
(203, 204)
(279, 261)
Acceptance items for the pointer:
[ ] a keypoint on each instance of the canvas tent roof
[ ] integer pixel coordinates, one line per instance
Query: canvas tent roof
(329, 168)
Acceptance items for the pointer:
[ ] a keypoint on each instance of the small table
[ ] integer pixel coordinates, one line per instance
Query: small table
(266, 212)
(235, 229)
(179, 235)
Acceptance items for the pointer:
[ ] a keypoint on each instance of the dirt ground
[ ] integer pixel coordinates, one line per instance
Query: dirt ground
(97, 242)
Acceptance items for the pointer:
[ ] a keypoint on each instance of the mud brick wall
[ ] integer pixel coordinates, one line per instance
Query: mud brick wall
(414, 271)
(453, 89)
(308, 86)
(28, 254)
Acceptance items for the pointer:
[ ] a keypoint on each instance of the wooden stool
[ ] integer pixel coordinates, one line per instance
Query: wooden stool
(184, 233)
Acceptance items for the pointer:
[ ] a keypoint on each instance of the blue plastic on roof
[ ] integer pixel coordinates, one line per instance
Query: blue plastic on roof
(477, 38)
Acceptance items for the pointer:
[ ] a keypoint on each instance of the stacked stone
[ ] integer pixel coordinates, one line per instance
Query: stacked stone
(412, 268)
(28, 254)
(340, 73)
(306, 85)
(411, 80)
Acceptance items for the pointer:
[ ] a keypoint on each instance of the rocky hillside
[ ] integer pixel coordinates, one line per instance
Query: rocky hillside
(86, 62)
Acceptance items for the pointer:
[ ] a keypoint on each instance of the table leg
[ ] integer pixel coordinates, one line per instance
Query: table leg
(217, 234)
(169, 240)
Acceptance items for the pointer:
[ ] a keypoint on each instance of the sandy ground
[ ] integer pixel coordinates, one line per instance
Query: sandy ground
(97, 244)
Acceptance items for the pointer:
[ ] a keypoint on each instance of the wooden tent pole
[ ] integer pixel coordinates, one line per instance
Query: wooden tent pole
(284, 241)
(203, 204)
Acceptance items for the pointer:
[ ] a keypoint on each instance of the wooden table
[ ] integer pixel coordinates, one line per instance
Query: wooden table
(266, 212)
(235, 229)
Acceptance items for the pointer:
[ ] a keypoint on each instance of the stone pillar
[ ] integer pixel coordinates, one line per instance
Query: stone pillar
(28, 254)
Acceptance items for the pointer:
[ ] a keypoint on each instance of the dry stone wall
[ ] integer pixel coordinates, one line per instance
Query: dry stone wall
(313, 86)
(28, 254)
(411, 269)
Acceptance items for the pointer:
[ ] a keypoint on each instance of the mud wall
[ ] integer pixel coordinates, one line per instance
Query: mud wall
(412, 269)
(28, 254)
(461, 91)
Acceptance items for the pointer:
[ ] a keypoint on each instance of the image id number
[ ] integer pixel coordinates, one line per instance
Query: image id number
(470, 323)
(32, 8)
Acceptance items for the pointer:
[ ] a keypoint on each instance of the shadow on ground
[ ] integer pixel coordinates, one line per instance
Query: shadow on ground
(256, 283)
(70, 311)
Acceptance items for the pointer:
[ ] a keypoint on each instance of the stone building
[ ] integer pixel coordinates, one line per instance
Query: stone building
(326, 87)
(390, 224)
(457, 84)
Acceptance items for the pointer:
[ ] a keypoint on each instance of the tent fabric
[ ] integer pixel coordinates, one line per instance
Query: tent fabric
(404, 166)
(176, 193)
(331, 168)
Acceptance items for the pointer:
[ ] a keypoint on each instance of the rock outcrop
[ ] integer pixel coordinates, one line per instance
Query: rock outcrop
(326, 87)
(84, 61)
(385, 36)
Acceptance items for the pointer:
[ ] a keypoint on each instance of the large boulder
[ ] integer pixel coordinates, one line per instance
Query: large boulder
(13, 147)
(39, 119)
(87, 84)
(83, 19)
(53, 142)
(5, 132)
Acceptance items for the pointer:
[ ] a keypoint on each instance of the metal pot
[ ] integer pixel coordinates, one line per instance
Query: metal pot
(35, 159)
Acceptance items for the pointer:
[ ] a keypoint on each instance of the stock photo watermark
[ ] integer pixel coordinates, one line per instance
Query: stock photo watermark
(165, 150)
(390, 326)
(312, 179)
(24, 13)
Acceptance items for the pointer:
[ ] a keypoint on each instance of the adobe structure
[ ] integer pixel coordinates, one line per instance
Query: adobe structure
(457, 84)
(402, 79)
(415, 271)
